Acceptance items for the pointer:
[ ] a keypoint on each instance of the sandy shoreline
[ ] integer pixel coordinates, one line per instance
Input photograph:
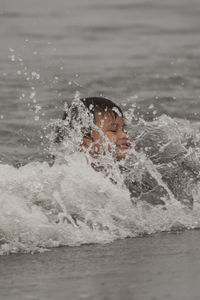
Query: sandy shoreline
(164, 266)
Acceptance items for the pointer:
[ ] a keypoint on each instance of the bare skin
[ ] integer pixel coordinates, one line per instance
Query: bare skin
(114, 129)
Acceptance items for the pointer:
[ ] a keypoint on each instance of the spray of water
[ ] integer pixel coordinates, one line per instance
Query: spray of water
(72, 202)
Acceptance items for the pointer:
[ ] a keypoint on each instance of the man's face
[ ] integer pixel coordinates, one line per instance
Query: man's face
(112, 127)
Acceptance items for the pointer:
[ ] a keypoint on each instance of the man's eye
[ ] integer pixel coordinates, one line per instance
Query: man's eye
(113, 130)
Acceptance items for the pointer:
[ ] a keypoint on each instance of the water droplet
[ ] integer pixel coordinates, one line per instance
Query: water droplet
(37, 118)
(151, 106)
(12, 57)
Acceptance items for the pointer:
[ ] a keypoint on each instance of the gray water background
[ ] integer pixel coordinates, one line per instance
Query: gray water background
(161, 267)
(131, 51)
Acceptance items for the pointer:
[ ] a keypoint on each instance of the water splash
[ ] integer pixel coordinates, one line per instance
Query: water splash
(70, 203)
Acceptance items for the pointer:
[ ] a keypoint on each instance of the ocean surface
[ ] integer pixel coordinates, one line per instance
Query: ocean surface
(160, 267)
(144, 55)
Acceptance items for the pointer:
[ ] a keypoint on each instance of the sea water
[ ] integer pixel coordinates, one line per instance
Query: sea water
(144, 56)
(68, 202)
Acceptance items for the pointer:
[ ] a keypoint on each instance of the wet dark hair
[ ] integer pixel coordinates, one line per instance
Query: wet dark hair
(98, 104)
(93, 104)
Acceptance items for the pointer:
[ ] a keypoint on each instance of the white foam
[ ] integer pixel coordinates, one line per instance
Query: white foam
(72, 204)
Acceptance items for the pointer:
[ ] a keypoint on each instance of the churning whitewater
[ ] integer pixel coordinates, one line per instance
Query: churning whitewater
(70, 203)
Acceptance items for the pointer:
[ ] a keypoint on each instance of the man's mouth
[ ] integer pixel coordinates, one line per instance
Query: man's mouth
(123, 146)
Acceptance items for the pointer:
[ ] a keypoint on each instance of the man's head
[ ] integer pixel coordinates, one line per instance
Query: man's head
(108, 125)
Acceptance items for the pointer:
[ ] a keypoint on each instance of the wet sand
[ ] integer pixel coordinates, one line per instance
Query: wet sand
(164, 266)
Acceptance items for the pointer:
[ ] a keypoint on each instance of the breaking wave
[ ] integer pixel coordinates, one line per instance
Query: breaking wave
(69, 203)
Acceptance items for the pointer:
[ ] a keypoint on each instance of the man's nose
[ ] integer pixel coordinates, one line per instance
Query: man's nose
(123, 134)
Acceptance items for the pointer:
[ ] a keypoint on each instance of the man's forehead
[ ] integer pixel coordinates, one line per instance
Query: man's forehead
(108, 119)
(108, 115)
